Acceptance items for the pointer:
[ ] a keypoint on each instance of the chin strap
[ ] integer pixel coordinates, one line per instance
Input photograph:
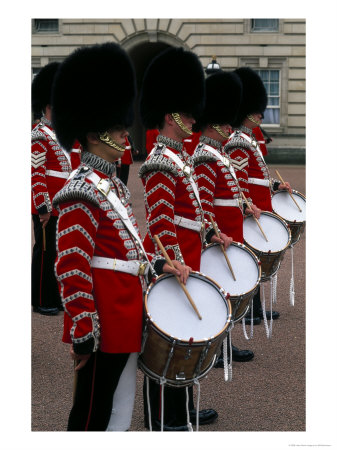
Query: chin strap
(106, 139)
(251, 118)
(219, 130)
(176, 117)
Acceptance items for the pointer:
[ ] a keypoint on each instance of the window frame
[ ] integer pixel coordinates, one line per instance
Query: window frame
(37, 31)
(279, 96)
(274, 30)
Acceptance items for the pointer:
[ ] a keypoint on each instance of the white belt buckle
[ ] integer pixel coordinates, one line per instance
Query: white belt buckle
(103, 186)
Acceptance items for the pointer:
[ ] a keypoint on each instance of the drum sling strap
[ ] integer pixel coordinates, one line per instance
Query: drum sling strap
(226, 162)
(104, 187)
(53, 136)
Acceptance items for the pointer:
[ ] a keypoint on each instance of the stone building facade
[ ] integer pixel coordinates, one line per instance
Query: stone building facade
(274, 47)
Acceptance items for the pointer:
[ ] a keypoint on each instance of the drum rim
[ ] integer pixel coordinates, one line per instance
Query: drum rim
(290, 222)
(286, 226)
(195, 342)
(256, 260)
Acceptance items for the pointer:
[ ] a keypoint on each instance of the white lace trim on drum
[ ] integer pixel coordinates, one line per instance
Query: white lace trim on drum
(269, 329)
(292, 280)
(228, 371)
(251, 323)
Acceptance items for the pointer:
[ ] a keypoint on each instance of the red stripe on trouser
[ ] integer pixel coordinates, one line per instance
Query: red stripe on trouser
(91, 396)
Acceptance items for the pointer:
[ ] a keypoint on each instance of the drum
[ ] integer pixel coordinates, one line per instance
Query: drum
(177, 345)
(284, 206)
(270, 252)
(246, 269)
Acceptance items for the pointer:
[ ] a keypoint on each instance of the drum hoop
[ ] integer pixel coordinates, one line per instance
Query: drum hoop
(252, 254)
(284, 223)
(195, 342)
(297, 222)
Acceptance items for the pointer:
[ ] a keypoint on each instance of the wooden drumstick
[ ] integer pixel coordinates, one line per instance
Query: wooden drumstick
(222, 247)
(291, 195)
(169, 261)
(258, 223)
(44, 239)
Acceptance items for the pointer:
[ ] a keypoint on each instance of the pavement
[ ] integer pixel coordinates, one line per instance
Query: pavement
(266, 394)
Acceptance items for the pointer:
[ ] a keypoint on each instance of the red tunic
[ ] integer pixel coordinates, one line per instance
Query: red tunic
(50, 167)
(216, 182)
(88, 227)
(256, 168)
(168, 193)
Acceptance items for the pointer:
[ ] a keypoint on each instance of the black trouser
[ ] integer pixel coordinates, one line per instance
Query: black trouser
(45, 291)
(256, 304)
(174, 404)
(95, 387)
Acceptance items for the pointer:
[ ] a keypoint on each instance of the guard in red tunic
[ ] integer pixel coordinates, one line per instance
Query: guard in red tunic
(258, 183)
(101, 263)
(171, 98)
(50, 168)
(218, 181)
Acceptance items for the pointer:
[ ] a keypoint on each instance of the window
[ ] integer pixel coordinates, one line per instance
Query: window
(259, 25)
(271, 81)
(46, 25)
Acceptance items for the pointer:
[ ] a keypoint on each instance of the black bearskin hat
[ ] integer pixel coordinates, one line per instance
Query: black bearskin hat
(173, 82)
(223, 97)
(254, 95)
(42, 88)
(94, 91)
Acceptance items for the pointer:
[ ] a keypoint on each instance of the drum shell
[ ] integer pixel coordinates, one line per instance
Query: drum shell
(157, 346)
(270, 261)
(188, 361)
(240, 302)
(296, 227)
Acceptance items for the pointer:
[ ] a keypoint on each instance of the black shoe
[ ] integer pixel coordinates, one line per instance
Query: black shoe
(205, 416)
(219, 364)
(256, 320)
(241, 355)
(46, 311)
(156, 426)
(275, 314)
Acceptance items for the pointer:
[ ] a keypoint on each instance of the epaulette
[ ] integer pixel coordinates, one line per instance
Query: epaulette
(237, 142)
(158, 162)
(78, 188)
(37, 135)
(201, 155)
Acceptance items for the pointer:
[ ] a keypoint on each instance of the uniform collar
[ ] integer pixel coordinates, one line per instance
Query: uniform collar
(209, 141)
(98, 163)
(246, 130)
(45, 121)
(170, 142)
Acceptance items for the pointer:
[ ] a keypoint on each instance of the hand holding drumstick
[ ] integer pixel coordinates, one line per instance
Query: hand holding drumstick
(286, 185)
(187, 268)
(258, 223)
(222, 247)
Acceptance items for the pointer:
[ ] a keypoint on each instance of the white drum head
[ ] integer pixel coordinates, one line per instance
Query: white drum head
(245, 268)
(274, 229)
(285, 207)
(172, 312)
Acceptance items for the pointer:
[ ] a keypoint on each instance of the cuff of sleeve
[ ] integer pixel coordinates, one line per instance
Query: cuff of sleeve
(158, 266)
(276, 185)
(85, 347)
(42, 209)
(209, 235)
